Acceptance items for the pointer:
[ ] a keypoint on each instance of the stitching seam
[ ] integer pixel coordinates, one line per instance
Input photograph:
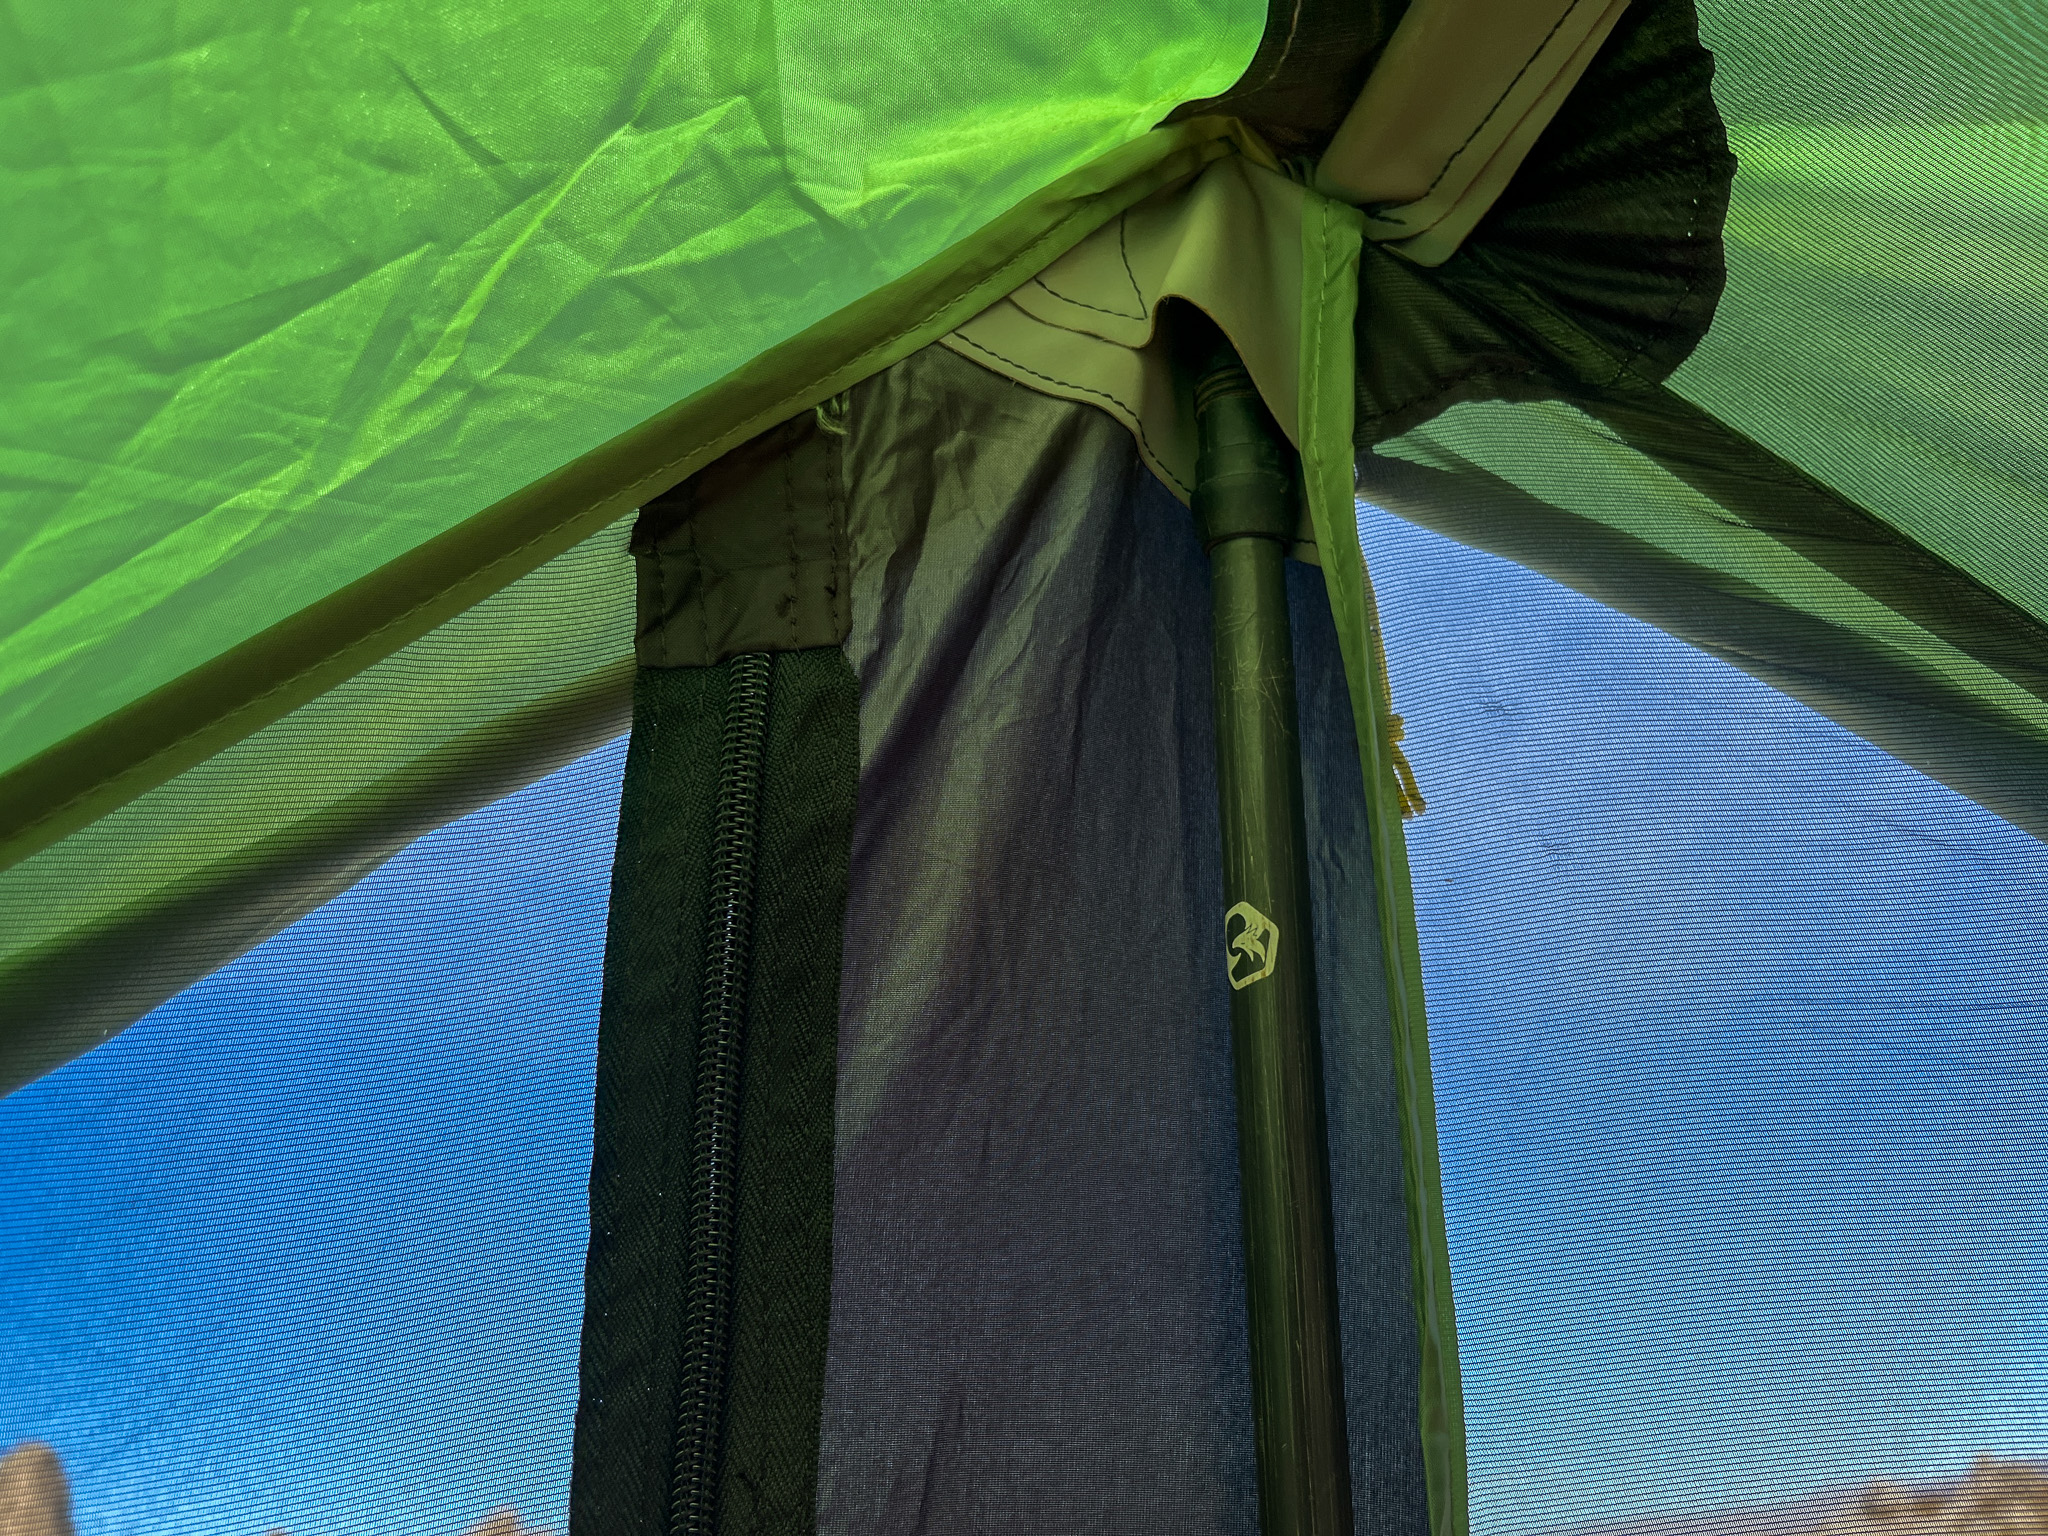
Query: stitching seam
(1137, 422)
(1144, 309)
(1491, 111)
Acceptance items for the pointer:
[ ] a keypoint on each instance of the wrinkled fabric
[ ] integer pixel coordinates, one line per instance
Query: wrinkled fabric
(1037, 1304)
(293, 289)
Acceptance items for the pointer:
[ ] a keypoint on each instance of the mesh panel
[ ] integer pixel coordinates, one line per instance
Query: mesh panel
(98, 929)
(1741, 1040)
(303, 1250)
(1887, 305)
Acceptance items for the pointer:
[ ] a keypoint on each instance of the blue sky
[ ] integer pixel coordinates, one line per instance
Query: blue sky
(1742, 1053)
(304, 1248)
(1741, 1041)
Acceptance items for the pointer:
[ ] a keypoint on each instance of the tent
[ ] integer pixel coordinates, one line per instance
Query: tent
(406, 402)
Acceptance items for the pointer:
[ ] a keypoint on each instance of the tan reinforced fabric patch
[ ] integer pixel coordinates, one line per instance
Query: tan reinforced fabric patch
(1087, 327)
(1462, 93)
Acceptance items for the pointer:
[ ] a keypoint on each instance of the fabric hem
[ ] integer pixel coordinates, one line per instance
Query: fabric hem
(1332, 241)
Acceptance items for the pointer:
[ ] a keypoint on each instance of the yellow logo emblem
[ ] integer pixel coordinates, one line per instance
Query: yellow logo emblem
(1252, 944)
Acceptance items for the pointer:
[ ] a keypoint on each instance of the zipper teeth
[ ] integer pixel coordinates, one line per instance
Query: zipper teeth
(714, 1145)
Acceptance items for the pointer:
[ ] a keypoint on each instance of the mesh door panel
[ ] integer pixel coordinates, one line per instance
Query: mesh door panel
(1741, 1041)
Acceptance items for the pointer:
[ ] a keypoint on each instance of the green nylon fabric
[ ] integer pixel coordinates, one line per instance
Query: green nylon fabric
(1886, 316)
(259, 682)
(293, 290)
(167, 874)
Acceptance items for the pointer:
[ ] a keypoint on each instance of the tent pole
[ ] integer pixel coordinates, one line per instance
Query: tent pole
(1246, 503)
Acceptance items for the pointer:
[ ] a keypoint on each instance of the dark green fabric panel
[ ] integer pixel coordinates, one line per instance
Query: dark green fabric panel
(1312, 61)
(749, 553)
(1600, 265)
(646, 1065)
(645, 1102)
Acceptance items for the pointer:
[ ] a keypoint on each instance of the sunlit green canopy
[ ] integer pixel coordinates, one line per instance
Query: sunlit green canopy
(295, 291)
(340, 342)
(320, 322)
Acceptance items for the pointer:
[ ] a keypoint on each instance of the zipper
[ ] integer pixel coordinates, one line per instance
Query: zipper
(714, 1146)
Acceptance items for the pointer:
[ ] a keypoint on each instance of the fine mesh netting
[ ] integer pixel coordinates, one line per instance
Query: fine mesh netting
(102, 926)
(1886, 312)
(1741, 1041)
(303, 1250)
(1740, 1031)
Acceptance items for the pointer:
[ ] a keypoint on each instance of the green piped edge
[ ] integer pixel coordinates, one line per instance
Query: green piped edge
(1332, 234)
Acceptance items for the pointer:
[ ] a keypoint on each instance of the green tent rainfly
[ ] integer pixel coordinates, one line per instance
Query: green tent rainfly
(348, 350)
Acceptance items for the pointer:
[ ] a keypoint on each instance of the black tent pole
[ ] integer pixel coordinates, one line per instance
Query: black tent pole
(1246, 505)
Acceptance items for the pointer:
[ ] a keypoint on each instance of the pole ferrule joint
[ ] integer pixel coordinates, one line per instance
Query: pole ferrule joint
(1247, 483)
